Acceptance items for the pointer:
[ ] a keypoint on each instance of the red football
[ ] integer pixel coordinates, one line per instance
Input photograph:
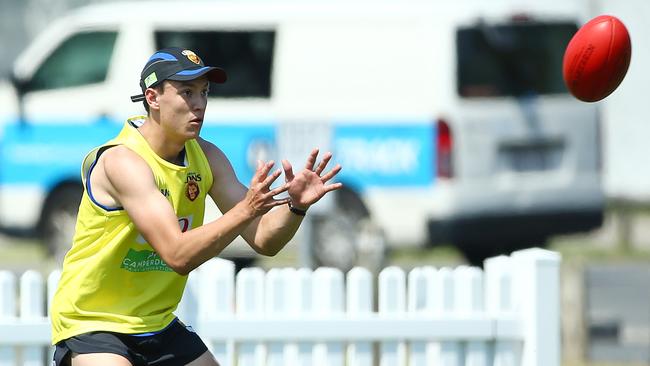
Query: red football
(597, 58)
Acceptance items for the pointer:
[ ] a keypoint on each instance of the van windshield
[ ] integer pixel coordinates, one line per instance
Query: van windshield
(247, 57)
(516, 59)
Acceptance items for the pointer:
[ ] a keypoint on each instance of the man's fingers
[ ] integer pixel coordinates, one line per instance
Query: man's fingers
(288, 170)
(311, 160)
(268, 205)
(276, 202)
(332, 187)
(257, 171)
(323, 163)
(262, 170)
(278, 190)
(281, 201)
(266, 183)
(267, 168)
(331, 173)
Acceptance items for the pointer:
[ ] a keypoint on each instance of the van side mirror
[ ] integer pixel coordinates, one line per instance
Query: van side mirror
(20, 85)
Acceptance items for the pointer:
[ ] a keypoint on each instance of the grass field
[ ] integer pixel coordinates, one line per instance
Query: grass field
(19, 254)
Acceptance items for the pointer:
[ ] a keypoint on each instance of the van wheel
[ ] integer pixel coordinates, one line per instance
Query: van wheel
(347, 237)
(242, 262)
(59, 220)
(476, 252)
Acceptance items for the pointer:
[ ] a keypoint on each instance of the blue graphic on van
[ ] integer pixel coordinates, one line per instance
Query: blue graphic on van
(46, 154)
(236, 141)
(385, 155)
(395, 155)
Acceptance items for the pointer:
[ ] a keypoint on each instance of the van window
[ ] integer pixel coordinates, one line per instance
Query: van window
(511, 60)
(81, 59)
(247, 57)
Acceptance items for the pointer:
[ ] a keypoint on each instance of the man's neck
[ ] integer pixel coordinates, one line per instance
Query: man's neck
(165, 147)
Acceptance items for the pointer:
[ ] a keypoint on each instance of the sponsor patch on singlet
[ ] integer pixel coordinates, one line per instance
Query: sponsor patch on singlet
(144, 261)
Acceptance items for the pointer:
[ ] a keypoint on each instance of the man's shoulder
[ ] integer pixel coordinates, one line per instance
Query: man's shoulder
(114, 153)
(121, 156)
(205, 144)
(217, 160)
(209, 149)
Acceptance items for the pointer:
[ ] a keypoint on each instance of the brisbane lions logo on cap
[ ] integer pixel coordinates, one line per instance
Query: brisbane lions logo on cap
(192, 56)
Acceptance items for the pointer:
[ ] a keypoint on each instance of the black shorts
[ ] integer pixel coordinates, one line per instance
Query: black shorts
(177, 344)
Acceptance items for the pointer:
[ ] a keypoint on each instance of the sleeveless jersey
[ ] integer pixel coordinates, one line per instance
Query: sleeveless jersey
(112, 279)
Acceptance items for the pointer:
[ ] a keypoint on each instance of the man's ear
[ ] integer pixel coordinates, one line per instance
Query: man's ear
(151, 96)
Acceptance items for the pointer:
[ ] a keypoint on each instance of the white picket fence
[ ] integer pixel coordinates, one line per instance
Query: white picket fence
(506, 315)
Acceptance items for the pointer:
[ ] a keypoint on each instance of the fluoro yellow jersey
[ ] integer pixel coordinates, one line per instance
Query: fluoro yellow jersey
(112, 279)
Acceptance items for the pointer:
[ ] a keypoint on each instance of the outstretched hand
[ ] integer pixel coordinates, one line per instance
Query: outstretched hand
(260, 198)
(309, 185)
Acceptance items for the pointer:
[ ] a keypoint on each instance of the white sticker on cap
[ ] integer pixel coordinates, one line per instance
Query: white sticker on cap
(152, 78)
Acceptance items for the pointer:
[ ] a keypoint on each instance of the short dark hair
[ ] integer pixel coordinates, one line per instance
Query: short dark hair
(160, 89)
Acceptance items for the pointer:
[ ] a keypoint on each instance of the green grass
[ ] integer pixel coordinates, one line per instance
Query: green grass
(16, 250)
(438, 257)
(567, 363)
(18, 255)
(578, 249)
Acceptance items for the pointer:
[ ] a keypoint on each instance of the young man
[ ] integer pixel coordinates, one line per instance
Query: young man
(140, 226)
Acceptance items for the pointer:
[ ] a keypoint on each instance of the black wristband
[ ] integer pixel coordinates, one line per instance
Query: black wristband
(297, 211)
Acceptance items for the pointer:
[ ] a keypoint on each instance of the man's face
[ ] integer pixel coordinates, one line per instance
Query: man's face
(182, 107)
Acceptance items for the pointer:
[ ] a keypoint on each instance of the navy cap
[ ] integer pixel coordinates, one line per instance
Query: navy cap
(175, 64)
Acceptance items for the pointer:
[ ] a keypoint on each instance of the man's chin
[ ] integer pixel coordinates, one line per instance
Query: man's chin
(193, 133)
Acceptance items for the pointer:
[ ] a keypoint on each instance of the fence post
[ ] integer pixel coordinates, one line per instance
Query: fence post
(216, 300)
(499, 302)
(298, 303)
(470, 301)
(328, 301)
(187, 310)
(32, 303)
(537, 278)
(359, 297)
(52, 283)
(392, 302)
(420, 302)
(7, 313)
(447, 353)
(277, 305)
(250, 303)
(303, 305)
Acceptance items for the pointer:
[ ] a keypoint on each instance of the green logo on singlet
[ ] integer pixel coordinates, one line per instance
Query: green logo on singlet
(144, 261)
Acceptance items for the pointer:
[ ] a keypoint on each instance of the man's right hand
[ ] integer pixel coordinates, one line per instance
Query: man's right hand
(260, 198)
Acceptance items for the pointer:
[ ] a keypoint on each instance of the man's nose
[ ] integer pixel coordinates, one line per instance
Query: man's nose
(198, 103)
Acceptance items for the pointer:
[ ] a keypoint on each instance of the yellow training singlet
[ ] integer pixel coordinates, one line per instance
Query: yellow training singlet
(112, 279)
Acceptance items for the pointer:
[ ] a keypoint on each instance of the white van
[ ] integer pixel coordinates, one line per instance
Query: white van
(451, 120)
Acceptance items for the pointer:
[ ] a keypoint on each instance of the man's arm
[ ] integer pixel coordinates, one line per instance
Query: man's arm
(268, 234)
(155, 219)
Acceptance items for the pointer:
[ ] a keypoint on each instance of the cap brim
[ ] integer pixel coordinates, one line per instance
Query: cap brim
(214, 74)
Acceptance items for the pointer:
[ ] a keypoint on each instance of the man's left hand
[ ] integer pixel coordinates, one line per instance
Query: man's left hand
(309, 185)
